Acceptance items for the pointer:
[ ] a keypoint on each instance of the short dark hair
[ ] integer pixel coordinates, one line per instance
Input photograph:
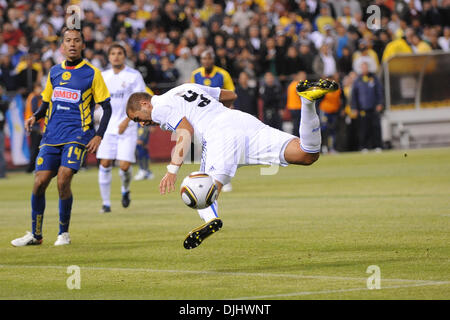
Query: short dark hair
(134, 101)
(118, 46)
(65, 29)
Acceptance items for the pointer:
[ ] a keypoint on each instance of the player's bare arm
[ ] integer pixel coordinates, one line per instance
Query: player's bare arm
(227, 97)
(39, 114)
(183, 133)
(123, 125)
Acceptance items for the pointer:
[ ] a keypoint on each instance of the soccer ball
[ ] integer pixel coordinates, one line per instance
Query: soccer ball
(198, 190)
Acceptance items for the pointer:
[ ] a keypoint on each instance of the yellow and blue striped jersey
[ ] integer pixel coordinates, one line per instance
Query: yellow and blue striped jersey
(217, 78)
(72, 93)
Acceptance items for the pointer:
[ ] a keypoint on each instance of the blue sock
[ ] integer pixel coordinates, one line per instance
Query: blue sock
(37, 215)
(65, 209)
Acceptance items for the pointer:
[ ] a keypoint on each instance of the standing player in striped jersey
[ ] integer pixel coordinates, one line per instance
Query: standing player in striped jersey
(119, 142)
(72, 90)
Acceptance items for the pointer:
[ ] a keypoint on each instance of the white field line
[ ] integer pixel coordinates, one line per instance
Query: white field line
(305, 293)
(221, 273)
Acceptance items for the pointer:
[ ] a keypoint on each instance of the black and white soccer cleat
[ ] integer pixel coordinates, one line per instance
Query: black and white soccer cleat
(196, 236)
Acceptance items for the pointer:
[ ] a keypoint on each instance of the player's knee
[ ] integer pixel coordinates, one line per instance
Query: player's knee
(124, 166)
(304, 159)
(106, 163)
(294, 154)
(40, 185)
(63, 184)
(311, 158)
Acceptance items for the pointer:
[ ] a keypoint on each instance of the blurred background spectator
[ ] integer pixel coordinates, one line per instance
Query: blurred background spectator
(330, 110)
(367, 102)
(247, 96)
(324, 63)
(32, 104)
(185, 65)
(293, 102)
(272, 96)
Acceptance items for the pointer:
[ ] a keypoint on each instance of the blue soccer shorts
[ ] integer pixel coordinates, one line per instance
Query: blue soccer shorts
(67, 155)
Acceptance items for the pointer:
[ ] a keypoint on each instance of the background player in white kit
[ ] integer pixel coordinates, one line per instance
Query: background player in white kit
(119, 141)
(231, 138)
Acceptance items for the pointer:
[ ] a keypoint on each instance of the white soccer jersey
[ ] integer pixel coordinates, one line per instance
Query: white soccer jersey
(199, 104)
(230, 138)
(121, 86)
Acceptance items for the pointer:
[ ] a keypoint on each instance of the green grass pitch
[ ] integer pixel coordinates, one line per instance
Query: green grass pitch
(303, 233)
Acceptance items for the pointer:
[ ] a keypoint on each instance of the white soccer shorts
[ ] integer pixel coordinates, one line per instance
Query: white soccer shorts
(247, 142)
(118, 147)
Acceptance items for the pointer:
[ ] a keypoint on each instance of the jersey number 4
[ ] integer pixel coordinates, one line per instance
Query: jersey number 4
(192, 96)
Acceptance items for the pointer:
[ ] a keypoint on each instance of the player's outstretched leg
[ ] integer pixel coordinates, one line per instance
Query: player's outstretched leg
(307, 150)
(310, 135)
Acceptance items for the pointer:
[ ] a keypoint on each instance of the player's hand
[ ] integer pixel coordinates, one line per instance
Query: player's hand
(92, 146)
(167, 183)
(29, 123)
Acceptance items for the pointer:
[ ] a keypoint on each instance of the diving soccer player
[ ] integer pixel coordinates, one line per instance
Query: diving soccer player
(231, 138)
(72, 90)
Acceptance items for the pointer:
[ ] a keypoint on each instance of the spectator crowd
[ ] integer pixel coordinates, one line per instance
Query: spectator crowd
(264, 45)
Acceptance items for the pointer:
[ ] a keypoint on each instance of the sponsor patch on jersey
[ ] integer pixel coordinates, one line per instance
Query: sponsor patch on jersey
(66, 95)
(60, 107)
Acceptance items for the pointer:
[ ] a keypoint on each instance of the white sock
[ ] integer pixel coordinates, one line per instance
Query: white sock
(125, 177)
(310, 136)
(209, 213)
(104, 181)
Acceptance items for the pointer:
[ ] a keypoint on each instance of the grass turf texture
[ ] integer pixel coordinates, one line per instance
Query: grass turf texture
(303, 233)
